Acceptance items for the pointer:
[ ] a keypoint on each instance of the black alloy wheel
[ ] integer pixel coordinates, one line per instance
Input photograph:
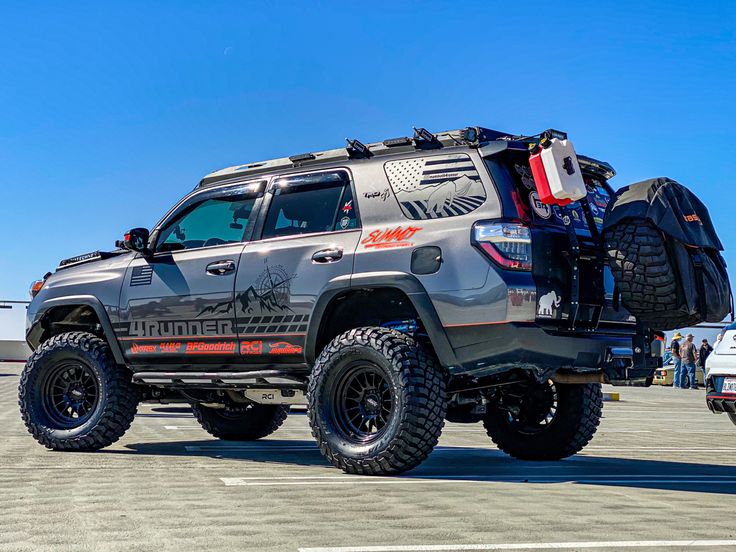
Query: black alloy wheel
(362, 402)
(70, 393)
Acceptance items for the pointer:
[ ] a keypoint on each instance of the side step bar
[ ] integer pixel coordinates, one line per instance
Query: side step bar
(220, 380)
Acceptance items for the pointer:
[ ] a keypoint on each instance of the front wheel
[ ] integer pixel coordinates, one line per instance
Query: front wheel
(72, 395)
(545, 421)
(733, 417)
(376, 402)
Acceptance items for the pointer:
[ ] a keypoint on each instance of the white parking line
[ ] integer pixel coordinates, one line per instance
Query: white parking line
(527, 546)
(320, 480)
(265, 446)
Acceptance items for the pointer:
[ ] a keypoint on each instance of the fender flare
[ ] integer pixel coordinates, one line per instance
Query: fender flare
(33, 335)
(407, 283)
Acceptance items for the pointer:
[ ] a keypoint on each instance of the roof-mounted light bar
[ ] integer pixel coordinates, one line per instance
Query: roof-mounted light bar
(470, 135)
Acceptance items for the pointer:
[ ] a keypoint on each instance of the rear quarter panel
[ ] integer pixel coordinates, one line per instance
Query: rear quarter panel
(465, 289)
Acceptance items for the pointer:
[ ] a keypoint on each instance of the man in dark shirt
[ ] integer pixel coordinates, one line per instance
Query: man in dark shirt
(675, 349)
(705, 350)
(689, 355)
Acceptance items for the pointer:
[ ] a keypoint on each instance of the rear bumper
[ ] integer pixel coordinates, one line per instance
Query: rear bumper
(721, 403)
(716, 399)
(496, 348)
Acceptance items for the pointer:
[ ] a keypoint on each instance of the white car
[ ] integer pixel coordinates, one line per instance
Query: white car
(721, 367)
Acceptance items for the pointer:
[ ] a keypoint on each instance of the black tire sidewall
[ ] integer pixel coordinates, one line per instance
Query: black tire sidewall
(255, 422)
(569, 431)
(46, 360)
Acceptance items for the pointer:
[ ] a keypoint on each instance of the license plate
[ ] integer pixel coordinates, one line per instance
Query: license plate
(729, 385)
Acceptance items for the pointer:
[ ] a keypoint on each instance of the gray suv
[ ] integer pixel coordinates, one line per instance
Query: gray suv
(389, 286)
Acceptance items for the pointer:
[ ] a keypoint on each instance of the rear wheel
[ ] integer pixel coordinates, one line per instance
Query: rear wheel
(240, 422)
(733, 417)
(545, 421)
(72, 395)
(376, 402)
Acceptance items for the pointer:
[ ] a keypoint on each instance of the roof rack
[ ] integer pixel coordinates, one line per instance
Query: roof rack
(472, 136)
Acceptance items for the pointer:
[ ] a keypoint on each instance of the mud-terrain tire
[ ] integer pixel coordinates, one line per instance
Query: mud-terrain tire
(646, 279)
(377, 402)
(733, 417)
(575, 420)
(246, 422)
(73, 396)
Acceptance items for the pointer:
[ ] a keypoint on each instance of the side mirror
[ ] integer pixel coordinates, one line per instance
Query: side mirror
(135, 239)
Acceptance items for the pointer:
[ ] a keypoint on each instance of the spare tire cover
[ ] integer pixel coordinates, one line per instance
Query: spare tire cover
(670, 206)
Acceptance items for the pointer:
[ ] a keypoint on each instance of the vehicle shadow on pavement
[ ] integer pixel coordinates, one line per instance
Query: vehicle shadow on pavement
(469, 464)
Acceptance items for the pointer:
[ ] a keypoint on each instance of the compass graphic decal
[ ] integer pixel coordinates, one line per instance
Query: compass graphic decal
(270, 292)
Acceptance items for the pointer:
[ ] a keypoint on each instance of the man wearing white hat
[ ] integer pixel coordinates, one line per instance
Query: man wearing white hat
(675, 348)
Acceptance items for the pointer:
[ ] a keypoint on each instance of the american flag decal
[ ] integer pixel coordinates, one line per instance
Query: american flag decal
(141, 276)
(436, 187)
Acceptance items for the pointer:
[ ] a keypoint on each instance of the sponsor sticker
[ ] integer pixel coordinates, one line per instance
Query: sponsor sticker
(542, 209)
(390, 237)
(251, 347)
(284, 348)
(548, 304)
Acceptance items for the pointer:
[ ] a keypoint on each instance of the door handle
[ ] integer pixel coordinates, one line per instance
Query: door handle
(330, 255)
(218, 268)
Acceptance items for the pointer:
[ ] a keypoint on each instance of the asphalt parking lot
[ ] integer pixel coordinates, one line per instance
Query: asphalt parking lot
(659, 471)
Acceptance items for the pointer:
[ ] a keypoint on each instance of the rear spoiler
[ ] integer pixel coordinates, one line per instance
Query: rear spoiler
(601, 168)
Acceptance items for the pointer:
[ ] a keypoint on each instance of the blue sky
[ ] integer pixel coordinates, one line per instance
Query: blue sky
(110, 113)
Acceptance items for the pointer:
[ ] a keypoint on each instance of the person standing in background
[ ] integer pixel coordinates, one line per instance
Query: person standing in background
(705, 350)
(689, 356)
(675, 349)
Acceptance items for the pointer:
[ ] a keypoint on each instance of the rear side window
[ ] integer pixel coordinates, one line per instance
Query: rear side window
(437, 186)
(308, 204)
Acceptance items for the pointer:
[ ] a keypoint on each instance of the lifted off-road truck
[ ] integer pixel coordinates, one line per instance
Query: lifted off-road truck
(390, 286)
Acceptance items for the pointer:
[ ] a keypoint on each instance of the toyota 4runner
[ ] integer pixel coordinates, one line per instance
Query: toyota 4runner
(388, 286)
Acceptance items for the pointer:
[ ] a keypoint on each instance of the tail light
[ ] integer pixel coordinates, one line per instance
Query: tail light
(508, 244)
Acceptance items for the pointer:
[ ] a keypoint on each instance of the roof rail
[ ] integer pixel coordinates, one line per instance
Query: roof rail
(472, 136)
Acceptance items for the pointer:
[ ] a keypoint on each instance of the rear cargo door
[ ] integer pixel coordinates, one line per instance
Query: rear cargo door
(555, 258)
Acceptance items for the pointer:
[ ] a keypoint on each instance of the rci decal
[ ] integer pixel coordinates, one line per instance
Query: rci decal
(390, 237)
(692, 218)
(251, 347)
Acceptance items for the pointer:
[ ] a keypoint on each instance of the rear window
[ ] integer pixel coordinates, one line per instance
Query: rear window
(525, 191)
(437, 186)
